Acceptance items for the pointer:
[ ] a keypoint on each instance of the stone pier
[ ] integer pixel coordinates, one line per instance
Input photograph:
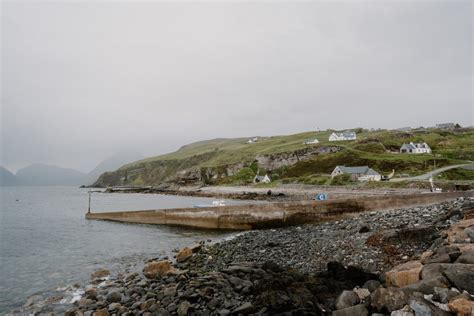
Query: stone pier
(245, 217)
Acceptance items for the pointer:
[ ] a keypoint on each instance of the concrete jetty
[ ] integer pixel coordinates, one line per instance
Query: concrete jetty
(245, 217)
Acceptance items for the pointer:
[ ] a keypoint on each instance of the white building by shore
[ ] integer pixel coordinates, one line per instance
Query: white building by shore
(359, 173)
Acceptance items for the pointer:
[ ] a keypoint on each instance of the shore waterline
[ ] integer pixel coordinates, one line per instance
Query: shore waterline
(45, 242)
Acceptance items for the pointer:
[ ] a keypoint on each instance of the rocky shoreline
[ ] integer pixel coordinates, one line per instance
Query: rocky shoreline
(411, 261)
(281, 193)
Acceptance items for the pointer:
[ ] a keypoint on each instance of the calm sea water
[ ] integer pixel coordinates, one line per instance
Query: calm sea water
(45, 242)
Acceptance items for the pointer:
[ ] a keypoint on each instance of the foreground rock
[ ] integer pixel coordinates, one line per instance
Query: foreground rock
(156, 269)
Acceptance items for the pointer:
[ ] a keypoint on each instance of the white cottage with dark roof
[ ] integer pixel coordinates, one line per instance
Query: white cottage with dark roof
(262, 179)
(415, 148)
(347, 135)
(359, 173)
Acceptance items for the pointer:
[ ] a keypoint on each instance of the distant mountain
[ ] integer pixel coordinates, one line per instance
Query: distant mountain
(7, 178)
(41, 174)
(111, 164)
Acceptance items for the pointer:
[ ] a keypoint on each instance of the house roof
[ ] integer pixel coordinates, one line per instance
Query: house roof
(259, 178)
(445, 125)
(358, 170)
(415, 145)
(348, 134)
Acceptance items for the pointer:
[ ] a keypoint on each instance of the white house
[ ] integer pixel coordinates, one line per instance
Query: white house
(446, 125)
(361, 173)
(311, 141)
(252, 140)
(347, 135)
(262, 179)
(415, 148)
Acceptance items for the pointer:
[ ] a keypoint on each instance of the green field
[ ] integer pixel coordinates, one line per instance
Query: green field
(377, 149)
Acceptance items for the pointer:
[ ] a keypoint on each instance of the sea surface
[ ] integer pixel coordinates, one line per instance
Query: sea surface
(46, 245)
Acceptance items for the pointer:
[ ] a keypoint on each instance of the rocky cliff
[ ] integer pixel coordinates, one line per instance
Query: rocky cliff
(192, 170)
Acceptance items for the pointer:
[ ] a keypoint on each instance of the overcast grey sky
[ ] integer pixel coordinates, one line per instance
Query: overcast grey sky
(82, 80)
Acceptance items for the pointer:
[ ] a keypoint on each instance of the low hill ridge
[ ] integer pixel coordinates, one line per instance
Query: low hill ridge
(219, 161)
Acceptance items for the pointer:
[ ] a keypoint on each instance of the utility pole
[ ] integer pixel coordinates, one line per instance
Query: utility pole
(89, 208)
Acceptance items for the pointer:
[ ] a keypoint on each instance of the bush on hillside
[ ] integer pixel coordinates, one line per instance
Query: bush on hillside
(245, 175)
(254, 167)
(372, 147)
(341, 179)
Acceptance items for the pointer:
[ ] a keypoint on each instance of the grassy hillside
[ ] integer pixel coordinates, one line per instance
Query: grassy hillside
(377, 149)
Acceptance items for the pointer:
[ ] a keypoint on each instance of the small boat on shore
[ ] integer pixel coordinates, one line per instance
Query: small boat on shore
(213, 204)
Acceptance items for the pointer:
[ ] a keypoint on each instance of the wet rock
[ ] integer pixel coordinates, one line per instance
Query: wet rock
(386, 300)
(184, 254)
(156, 269)
(101, 312)
(162, 312)
(461, 276)
(445, 254)
(85, 302)
(91, 293)
(405, 311)
(404, 274)
(371, 285)
(147, 305)
(362, 293)
(427, 286)
(447, 250)
(114, 297)
(183, 308)
(170, 290)
(114, 307)
(347, 299)
(72, 312)
(359, 310)
(461, 306)
(466, 257)
(245, 308)
(196, 248)
(100, 274)
(223, 312)
(32, 300)
(444, 295)
(433, 270)
(469, 232)
(422, 307)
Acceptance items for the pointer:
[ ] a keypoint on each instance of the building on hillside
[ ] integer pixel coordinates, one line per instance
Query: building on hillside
(252, 140)
(446, 125)
(360, 173)
(262, 179)
(311, 141)
(347, 135)
(415, 148)
(404, 129)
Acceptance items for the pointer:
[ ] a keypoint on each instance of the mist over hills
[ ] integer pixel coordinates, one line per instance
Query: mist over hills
(42, 174)
(111, 164)
(47, 175)
(7, 178)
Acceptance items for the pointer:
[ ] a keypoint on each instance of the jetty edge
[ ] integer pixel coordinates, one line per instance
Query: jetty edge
(270, 215)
